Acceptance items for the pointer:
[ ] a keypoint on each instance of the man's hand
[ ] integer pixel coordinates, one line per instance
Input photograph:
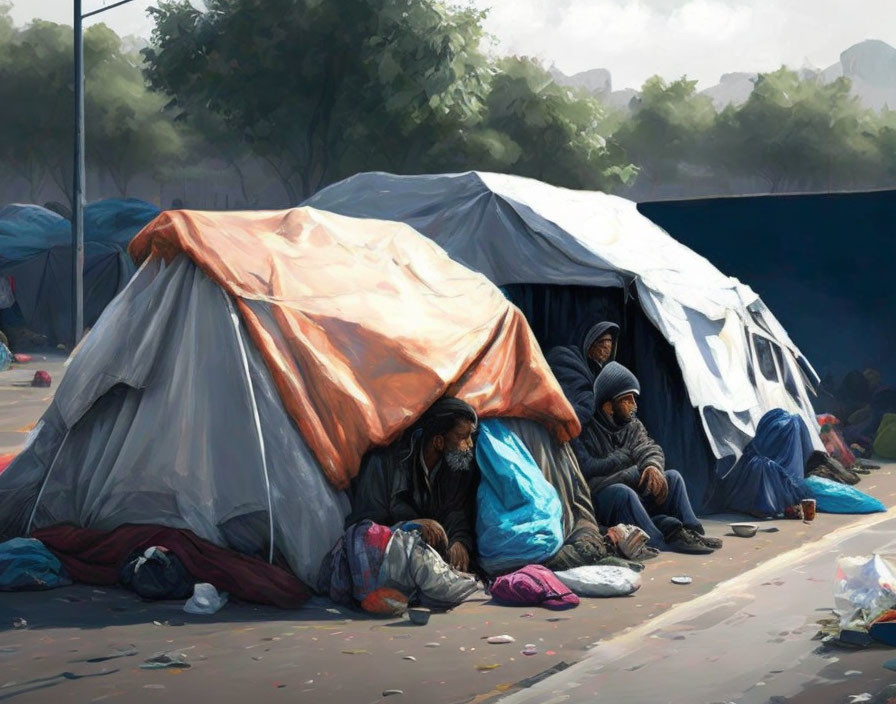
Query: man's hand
(433, 534)
(654, 481)
(458, 557)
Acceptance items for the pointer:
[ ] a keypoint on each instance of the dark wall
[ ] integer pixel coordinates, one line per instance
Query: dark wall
(824, 264)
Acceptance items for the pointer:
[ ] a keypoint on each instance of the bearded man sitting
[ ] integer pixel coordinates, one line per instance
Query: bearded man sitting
(426, 478)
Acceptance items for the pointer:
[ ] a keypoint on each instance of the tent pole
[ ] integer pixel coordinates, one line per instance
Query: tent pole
(264, 463)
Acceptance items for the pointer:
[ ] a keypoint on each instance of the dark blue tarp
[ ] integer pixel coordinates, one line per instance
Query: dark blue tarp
(35, 250)
(821, 262)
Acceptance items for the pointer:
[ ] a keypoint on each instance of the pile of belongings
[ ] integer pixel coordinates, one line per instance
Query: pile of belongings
(862, 403)
(864, 602)
(384, 571)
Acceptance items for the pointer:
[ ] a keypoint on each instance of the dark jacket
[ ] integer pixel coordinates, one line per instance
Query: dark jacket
(615, 454)
(576, 372)
(390, 489)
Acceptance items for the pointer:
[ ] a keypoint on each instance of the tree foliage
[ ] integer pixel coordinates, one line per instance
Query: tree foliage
(126, 129)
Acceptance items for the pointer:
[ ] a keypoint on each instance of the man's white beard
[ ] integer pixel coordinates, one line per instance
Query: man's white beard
(458, 460)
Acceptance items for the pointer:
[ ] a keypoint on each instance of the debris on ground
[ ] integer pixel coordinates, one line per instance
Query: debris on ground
(496, 640)
(681, 579)
(163, 661)
(19, 623)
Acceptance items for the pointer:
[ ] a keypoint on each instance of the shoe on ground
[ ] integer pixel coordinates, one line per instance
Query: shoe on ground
(684, 540)
(714, 543)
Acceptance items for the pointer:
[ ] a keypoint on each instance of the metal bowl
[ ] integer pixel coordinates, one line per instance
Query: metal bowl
(744, 530)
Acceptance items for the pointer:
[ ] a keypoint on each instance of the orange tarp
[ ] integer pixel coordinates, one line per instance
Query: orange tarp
(363, 324)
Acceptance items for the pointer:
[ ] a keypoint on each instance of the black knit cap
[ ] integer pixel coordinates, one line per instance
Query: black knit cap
(613, 382)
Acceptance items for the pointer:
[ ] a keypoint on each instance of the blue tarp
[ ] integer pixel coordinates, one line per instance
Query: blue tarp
(834, 497)
(519, 516)
(769, 475)
(35, 250)
(26, 564)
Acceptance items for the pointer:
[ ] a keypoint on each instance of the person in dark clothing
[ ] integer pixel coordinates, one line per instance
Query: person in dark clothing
(427, 478)
(576, 368)
(625, 469)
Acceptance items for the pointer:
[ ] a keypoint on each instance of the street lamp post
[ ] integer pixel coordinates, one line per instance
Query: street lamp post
(78, 199)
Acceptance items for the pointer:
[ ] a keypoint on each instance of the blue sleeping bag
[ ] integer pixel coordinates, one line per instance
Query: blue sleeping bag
(518, 518)
(834, 497)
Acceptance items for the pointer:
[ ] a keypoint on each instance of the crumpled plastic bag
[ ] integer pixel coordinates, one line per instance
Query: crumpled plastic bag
(205, 600)
(600, 580)
(864, 588)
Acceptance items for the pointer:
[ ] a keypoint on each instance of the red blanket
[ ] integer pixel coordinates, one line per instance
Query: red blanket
(94, 557)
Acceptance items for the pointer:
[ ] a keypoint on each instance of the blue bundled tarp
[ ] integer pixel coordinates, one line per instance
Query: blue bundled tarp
(26, 564)
(35, 251)
(519, 516)
(834, 497)
(769, 475)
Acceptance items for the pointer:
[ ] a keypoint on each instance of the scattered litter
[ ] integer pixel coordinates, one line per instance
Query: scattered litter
(433, 645)
(486, 668)
(410, 657)
(390, 692)
(528, 614)
(160, 662)
(856, 698)
(334, 611)
(206, 600)
(557, 618)
(495, 640)
(852, 672)
(41, 379)
(682, 580)
(550, 652)
(19, 623)
(356, 651)
(529, 649)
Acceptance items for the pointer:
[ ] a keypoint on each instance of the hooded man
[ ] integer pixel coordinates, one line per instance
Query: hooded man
(625, 469)
(427, 478)
(576, 368)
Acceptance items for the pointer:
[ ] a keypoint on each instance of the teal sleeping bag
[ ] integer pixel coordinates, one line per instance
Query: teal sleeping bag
(519, 516)
(834, 497)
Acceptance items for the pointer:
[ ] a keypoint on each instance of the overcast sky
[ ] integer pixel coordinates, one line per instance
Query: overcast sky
(634, 39)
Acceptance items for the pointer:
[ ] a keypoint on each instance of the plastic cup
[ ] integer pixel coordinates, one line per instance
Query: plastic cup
(808, 509)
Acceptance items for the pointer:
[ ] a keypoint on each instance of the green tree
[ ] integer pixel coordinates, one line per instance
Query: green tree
(36, 91)
(667, 129)
(798, 134)
(126, 128)
(534, 127)
(320, 90)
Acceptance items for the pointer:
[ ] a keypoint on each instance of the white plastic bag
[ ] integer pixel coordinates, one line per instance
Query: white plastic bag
(864, 587)
(205, 600)
(600, 580)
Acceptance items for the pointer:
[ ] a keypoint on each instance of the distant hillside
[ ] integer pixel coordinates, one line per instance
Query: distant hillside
(870, 65)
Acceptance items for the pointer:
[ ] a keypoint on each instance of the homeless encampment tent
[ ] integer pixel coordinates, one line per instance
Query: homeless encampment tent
(232, 388)
(36, 254)
(711, 358)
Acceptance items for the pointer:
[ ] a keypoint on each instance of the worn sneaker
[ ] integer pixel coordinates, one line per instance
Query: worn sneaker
(684, 540)
(714, 543)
